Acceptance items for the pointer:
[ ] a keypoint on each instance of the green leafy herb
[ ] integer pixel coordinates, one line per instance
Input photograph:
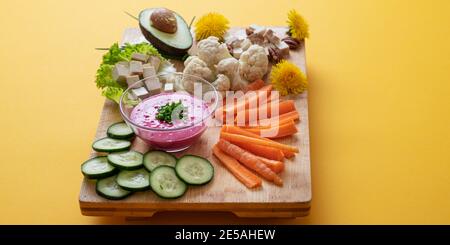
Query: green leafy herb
(110, 88)
(113, 93)
(165, 112)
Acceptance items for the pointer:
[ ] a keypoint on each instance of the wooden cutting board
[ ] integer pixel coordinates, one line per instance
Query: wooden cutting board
(224, 193)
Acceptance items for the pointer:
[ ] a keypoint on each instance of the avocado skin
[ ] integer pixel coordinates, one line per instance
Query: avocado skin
(160, 45)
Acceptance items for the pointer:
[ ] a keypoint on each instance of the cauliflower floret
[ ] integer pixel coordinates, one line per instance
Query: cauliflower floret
(222, 84)
(230, 68)
(211, 51)
(238, 83)
(189, 59)
(195, 67)
(253, 63)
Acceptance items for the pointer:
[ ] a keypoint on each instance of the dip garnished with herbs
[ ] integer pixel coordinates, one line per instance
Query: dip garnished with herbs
(169, 111)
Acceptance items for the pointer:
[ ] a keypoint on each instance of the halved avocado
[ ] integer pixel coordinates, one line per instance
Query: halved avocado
(176, 44)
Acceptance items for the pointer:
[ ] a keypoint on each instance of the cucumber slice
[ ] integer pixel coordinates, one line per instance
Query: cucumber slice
(108, 188)
(111, 145)
(120, 130)
(134, 180)
(126, 160)
(194, 170)
(154, 159)
(97, 168)
(166, 184)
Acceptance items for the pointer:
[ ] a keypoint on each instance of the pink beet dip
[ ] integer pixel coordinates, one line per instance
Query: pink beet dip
(175, 136)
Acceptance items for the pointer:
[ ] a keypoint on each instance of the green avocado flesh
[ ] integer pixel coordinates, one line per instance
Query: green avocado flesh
(176, 44)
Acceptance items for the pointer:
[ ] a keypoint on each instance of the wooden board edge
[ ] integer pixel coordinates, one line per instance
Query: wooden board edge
(243, 213)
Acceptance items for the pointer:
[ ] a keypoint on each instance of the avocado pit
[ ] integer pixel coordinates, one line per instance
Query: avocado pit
(164, 20)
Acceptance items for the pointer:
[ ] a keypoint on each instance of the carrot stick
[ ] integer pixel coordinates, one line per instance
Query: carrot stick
(268, 125)
(288, 154)
(249, 140)
(263, 151)
(283, 107)
(281, 119)
(237, 130)
(244, 175)
(249, 160)
(276, 166)
(275, 132)
(255, 85)
(250, 99)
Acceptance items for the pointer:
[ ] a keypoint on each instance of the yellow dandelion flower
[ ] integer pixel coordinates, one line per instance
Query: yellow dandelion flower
(287, 78)
(298, 28)
(211, 24)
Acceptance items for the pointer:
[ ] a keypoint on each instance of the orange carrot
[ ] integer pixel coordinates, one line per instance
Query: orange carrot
(249, 160)
(283, 107)
(249, 140)
(255, 85)
(278, 131)
(250, 98)
(237, 130)
(281, 119)
(288, 154)
(269, 125)
(240, 172)
(276, 166)
(263, 151)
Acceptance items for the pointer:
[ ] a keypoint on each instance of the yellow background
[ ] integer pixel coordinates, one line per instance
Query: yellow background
(379, 105)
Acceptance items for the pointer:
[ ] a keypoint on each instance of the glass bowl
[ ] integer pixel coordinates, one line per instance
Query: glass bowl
(142, 106)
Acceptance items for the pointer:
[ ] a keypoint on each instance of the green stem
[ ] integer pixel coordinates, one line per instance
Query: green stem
(192, 21)
(132, 16)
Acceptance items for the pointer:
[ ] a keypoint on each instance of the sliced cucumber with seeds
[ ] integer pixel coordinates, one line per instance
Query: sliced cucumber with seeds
(166, 184)
(120, 130)
(154, 159)
(97, 167)
(108, 188)
(111, 145)
(134, 180)
(126, 160)
(194, 170)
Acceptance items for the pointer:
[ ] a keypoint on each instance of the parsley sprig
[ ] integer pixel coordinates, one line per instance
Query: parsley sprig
(165, 112)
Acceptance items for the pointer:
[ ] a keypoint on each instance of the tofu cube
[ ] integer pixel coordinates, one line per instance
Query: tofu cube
(120, 73)
(140, 92)
(146, 65)
(139, 57)
(149, 71)
(132, 79)
(168, 87)
(155, 62)
(153, 85)
(136, 68)
(284, 48)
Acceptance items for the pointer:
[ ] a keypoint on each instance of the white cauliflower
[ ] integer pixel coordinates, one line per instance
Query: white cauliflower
(238, 84)
(253, 63)
(196, 67)
(222, 84)
(230, 68)
(211, 51)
